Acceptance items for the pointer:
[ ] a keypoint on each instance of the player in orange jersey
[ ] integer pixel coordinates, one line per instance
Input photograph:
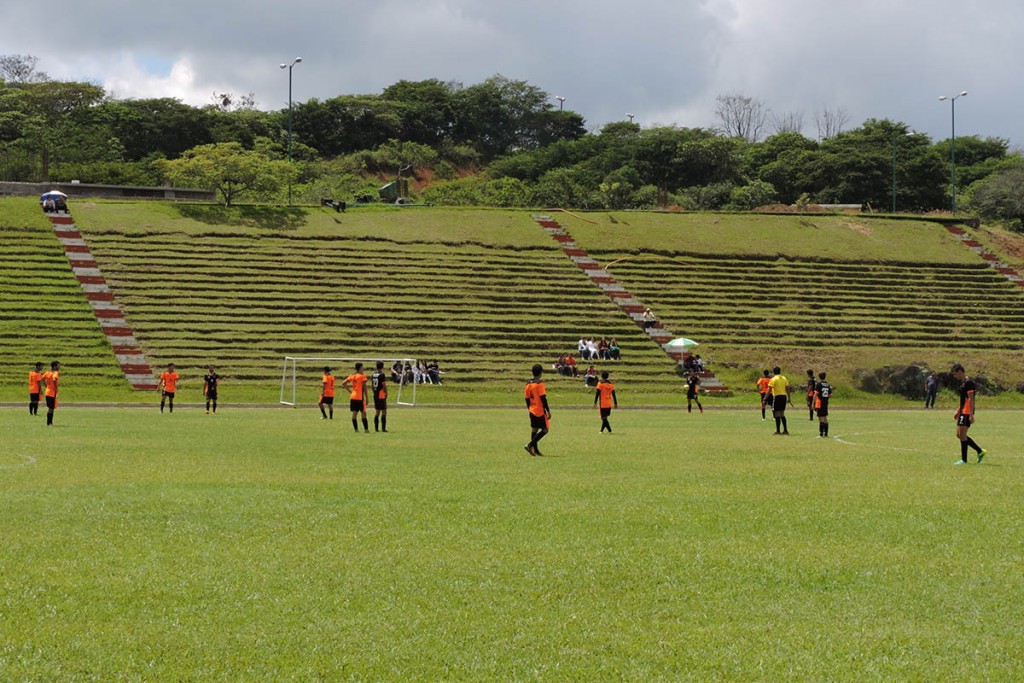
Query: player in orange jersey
(168, 384)
(327, 394)
(605, 395)
(965, 415)
(762, 388)
(356, 383)
(34, 378)
(540, 413)
(50, 380)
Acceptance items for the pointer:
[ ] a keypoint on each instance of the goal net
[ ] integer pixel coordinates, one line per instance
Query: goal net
(307, 372)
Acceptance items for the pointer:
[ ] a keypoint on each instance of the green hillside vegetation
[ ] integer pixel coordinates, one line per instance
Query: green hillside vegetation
(487, 293)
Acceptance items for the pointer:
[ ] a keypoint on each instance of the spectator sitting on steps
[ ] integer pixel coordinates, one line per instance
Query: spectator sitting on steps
(649, 318)
(590, 376)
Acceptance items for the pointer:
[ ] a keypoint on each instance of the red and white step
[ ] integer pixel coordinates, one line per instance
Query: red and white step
(137, 370)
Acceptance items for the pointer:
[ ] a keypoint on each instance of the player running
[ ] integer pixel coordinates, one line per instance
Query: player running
(540, 413)
(34, 378)
(326, 394)
(356, 383)
(50, 380)
(379, 386)
(168, 384)
(762, 389)
(693, 392)
(779, 387)
(965, 415)
(822, 393)
(605, 394)
(211, 381)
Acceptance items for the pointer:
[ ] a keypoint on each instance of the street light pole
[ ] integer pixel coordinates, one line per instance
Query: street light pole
(561, 102)
(630, 116)
(952, 146)
(895, 136)
(290, 67)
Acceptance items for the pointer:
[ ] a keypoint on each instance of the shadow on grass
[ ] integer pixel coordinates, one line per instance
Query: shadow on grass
(265, 217)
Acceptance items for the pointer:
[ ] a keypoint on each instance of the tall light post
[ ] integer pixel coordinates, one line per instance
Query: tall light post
(561, 102)
(290, 67)
(630, 117)
(952, 146)
(895, 137)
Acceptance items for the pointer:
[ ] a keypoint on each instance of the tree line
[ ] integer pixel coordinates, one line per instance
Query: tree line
(500, 142)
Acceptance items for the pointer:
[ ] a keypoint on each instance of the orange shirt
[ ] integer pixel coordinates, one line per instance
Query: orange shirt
(606, 389)
(762, 385)
(358, 382)
(169, 379)
(33, 381)
(51, 378)
(534, 392)
(328, 381)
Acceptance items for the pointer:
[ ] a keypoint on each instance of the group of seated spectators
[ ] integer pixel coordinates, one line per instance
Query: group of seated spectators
(419, 373)
(566, 366)
(692, 362)
(603, 349)
(54, 204)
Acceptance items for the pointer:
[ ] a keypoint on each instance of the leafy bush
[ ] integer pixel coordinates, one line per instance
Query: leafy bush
(757, 193)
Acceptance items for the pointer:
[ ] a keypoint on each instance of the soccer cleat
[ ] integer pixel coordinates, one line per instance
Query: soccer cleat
(960, 462)
(529, 449)
(536, 451)
(982, 454)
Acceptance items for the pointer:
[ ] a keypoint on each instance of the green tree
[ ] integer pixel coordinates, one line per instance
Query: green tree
(1000, 195)
(229, 169)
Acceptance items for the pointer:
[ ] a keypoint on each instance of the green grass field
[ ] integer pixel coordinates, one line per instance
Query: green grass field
(270, 545)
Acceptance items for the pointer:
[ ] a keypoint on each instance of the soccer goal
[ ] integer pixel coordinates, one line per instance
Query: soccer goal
(308, 371)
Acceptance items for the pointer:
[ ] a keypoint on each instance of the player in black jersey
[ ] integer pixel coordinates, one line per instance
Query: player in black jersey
(210, 382)
(822, 393)
(379, 386)
(693, 392)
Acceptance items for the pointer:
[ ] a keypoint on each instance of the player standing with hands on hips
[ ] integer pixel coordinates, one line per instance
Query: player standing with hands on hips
(605, 394)
(168, 384)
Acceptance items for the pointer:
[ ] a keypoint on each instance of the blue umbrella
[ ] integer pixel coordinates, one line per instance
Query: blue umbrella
(52, 194)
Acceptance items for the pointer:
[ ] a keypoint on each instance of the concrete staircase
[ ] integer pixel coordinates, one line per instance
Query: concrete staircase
(109, 315)
(617, 293)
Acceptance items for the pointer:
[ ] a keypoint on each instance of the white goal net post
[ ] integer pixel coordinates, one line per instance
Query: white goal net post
(307, 371)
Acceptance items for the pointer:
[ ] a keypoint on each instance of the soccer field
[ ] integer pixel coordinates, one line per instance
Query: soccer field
(266, 544)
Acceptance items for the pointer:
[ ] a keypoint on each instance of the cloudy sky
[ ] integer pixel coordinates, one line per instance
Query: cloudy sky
(663, 60)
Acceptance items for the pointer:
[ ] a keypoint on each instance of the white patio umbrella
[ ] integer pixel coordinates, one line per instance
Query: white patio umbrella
(681, 344)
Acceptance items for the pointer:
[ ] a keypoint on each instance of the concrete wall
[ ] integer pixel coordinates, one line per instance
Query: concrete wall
(89, 190)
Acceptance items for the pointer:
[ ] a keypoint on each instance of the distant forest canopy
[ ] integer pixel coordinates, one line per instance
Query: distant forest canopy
(501, 142)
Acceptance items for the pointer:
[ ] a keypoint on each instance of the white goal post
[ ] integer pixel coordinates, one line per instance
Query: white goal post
(307, 370)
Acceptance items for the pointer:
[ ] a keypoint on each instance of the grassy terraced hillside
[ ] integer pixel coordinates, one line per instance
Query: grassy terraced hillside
(487, 293)
(830, 292)
(44, 315)
(487, 297)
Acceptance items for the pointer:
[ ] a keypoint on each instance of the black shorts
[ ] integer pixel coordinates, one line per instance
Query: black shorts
(380, 404)
(605, 412)
(538, 421)
(327, 400)
(51, 402)
(691, 395)
(823, 410)
(356, 405)
(764, 398)
(168, 394)
(34, 398)
(961, 420)
(211, 395)
(779, 403)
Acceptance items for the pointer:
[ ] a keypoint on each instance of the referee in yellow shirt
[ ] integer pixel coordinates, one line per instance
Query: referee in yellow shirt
(779, 386)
